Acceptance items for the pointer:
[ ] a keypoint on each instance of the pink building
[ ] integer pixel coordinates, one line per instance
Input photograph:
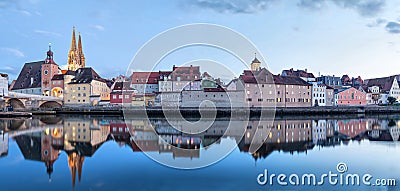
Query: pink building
(351, 96)
(352, 127)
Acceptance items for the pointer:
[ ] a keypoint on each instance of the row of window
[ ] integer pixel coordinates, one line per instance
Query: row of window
(287, 126)
(351, 97)
(318, 95)
(120, 96)
(56, 82)
(78, 100)
(299, 100)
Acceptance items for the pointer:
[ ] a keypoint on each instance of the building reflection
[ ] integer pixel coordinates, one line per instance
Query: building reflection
(3, 144)
(280, 135)
(388, 130)
(80, 138)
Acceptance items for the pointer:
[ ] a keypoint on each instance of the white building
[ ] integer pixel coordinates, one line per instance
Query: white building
(382, 88)
(3, 85)
(318, 94)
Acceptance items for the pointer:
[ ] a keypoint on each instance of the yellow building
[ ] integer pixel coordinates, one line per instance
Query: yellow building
(86, 88)
(144, 100)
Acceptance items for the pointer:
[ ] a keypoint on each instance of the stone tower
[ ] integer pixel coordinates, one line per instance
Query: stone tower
(255, 64)
(76, 58)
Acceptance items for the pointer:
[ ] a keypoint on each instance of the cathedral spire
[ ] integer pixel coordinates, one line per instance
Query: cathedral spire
(73, 42)
(79, 43)
(80, 52)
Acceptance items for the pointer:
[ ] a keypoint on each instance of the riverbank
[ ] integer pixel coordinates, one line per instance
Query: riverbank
(12, 114)
(300, 111)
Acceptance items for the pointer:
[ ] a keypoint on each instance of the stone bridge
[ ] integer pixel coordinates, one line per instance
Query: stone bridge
(21, 101)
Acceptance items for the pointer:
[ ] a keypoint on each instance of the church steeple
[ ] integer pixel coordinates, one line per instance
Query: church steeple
(80, 52)
(49, 58)
(255, 64)
(73, 42)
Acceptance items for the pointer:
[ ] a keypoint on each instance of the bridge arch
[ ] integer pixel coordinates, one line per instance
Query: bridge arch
(50, 104)
(16, 103)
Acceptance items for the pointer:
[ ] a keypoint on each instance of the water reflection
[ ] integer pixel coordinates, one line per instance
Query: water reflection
(44, 139)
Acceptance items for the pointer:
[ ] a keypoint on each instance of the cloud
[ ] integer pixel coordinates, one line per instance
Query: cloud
(378, 22)
(12, 51)
(9, 70)
(98, 27)
(368, 8)
(47, 33)
(7, 3)
(233, 6)
(393, 27)
(312, 4)
(19, 6)
(25, 12)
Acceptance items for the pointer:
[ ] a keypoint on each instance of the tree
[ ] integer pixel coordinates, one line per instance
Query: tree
(391, 100)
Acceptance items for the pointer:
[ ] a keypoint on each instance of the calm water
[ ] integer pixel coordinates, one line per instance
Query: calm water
(107, 153)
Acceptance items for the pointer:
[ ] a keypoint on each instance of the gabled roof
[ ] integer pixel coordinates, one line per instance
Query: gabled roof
(145, 77)
(30, 76)
(349, 88)
(67, 72)
(58, 77)
(290, 80)
(86, 75)
(262, 76)
(384, 83)
(298, 73)
(119, 86)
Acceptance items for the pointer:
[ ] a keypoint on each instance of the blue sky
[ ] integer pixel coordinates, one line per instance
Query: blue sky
(355, 37)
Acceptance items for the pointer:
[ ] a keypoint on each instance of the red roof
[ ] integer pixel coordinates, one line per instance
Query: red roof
(145, 77)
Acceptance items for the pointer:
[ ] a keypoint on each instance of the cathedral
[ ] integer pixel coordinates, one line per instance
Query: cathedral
(76, 58)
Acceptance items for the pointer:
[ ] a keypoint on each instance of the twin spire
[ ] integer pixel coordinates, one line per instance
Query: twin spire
(76, 58)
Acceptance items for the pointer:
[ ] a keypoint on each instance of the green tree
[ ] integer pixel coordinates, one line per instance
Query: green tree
(391, 100)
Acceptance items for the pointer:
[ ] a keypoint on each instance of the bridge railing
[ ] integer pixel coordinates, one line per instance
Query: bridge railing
(38, 97)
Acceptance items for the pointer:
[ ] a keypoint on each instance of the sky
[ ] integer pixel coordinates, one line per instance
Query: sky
(326, 37)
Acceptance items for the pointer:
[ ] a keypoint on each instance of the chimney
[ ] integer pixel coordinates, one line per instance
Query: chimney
(305, 70)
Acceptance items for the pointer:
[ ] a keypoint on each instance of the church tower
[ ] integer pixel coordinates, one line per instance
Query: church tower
(255, 64)
(76, 58)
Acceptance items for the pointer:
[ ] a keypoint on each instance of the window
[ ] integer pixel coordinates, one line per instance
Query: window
(84, 88)
(79, 95)
(126, 96)
(114, 96)
(260, 100)
(84, 94)
(119, 96)
(249, 99)
(46, 72)
(79, 88)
